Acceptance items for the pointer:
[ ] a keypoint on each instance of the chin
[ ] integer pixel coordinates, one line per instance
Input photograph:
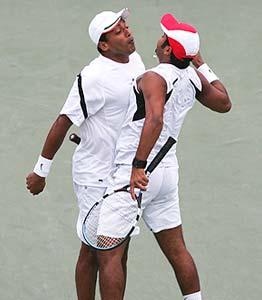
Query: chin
(132, 50)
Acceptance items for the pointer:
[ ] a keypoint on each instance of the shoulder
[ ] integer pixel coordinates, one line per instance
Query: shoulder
(93, 73)
(152, 75)
(153, 82)
(168, 73)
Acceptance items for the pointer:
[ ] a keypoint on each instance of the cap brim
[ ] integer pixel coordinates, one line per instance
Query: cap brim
(123, 14)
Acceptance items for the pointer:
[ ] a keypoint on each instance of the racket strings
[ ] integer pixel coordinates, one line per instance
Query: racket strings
(119, 221)
(127, 215)
(105, 242)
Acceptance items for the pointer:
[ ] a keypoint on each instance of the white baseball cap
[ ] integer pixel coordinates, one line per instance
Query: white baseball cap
(183, 38)
(104, 22)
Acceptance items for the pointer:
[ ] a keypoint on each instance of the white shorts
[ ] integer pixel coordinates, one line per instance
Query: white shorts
(86, 198)
(160, 203)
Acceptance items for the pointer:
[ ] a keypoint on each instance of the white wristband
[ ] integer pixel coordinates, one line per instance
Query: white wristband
(43, 166)
(208, 73)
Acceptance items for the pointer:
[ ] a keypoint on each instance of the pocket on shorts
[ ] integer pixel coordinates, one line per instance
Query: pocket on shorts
(87, 196)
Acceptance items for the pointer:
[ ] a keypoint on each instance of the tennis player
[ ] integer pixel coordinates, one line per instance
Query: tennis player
(97, 104)
(159, 103)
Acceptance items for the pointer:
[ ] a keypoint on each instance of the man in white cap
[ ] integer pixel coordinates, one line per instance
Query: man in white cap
(97, 104)
(158, 105)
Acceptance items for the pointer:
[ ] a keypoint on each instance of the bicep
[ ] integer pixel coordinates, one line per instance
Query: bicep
(154, 89)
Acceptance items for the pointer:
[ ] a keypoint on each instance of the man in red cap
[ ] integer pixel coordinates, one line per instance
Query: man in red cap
(159, 103)
(97, 104)
(175, 50)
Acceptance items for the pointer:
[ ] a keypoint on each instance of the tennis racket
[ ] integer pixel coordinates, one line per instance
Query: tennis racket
(118, 208)
(73, 137)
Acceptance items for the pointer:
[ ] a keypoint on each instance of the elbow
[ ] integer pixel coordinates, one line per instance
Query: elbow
(156, 122)
(227, 106)
(224, 104)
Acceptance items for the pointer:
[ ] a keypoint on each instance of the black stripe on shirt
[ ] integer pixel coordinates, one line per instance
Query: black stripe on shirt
(195, 87)
(140, 103)
(82, 97)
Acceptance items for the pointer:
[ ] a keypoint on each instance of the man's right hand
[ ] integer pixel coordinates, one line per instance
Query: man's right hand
(198, 61)
(35, 184)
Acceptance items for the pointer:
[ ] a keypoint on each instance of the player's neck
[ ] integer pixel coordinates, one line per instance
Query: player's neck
(164, 60)
(120, 58)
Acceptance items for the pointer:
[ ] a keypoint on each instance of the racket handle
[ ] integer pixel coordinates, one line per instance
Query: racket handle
(160, 155)
(73, 137)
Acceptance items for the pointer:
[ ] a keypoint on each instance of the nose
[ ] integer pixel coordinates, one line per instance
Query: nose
(128, 31)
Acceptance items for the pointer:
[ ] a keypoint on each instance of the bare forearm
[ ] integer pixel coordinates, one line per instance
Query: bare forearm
(219, 86)
(56, 136)
(150, 134)
(198, 62)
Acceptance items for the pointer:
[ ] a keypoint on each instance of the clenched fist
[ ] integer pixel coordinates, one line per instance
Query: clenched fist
(35, 184)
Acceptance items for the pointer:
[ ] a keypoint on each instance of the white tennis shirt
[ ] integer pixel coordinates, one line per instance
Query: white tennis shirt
(182, 85)
(106, 86)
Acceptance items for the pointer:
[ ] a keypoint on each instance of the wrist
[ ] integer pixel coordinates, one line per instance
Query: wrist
(197, 63)
(207, 73)
(139, 164)
(43, 166)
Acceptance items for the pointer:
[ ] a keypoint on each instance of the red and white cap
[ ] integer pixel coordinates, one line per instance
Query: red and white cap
(105, 22)
(183, 38)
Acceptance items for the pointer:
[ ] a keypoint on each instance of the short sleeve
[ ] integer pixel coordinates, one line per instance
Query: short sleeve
(86, 97)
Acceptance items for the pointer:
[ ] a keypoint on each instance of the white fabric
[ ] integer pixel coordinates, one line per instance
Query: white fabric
(189, 40)
(208, 73)
(160, 203)
(181, 84)
(43, 166)
(102, 22)
(194, 296)
(86, 198)
(106, 85)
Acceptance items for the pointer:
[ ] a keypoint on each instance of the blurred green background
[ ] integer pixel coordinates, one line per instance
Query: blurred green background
(44, 44)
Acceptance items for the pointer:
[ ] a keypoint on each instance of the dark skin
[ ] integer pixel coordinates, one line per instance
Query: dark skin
(118, 46)
(36, 184)
(153, 86)
(119, 43)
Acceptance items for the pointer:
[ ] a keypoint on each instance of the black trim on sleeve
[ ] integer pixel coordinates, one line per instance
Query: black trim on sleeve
(82, 97)
(196, 89)
(175, 81)
(140, 103)
(168, 95)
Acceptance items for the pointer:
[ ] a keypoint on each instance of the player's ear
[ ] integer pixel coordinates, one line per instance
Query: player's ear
(103, 46)
(168, 50)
